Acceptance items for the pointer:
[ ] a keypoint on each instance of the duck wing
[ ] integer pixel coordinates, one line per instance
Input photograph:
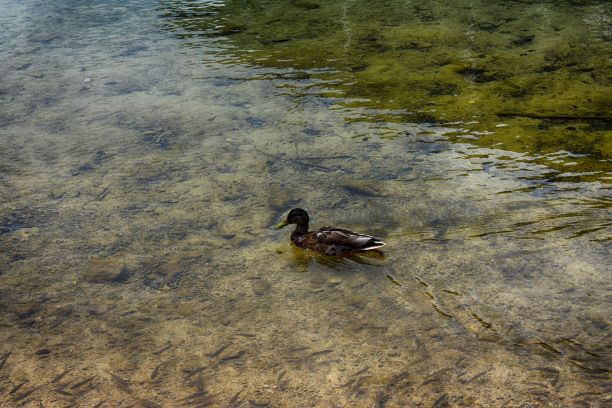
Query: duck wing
(348, 239)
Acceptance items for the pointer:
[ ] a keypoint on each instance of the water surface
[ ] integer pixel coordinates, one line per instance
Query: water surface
(149, 147)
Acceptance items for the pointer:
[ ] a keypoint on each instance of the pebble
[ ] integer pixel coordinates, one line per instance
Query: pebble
(260, 287)
(36, 74)
(101, 270)
(26, 310)
(25, 50)
(61, 310)
(44, 37)
(172, 265)
(25, 233)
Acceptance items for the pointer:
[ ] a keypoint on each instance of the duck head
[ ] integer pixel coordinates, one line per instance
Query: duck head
(296, 216)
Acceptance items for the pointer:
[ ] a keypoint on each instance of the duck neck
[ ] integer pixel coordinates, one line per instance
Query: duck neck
(300, 229)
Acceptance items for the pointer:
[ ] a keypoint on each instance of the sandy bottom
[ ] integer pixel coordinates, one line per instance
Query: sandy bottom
(140, 182)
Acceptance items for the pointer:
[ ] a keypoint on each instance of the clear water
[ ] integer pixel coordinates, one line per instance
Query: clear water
(148, 148)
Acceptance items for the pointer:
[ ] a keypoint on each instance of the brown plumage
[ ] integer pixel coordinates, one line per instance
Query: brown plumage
(328, 240)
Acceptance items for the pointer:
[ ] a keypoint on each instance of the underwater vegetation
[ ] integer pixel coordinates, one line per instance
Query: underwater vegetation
(149, 147)
(529, 77)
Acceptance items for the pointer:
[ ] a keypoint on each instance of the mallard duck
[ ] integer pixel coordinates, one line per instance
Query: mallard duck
(328, 240)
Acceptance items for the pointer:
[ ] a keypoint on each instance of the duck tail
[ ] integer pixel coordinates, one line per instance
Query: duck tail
(374, 243)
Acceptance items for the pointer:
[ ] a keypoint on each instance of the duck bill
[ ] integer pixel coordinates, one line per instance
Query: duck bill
(282, 224)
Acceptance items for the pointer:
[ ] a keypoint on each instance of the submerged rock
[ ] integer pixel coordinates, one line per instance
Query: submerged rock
(26, 310)
(174, 263)
(43, 37)
(24, 234)
(101, 270)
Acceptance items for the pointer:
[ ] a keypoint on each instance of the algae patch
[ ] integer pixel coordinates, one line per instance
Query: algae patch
(539, 70)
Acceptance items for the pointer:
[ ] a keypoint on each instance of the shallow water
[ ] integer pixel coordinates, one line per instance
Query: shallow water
(148, 149)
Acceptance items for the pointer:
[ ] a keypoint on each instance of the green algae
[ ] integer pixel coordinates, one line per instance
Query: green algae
(520, 76)
(218, 308)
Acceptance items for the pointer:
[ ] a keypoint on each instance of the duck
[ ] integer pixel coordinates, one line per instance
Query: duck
(328, 240)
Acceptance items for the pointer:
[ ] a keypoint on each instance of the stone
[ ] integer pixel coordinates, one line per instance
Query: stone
(260, 287)
(44, 37)
(173, 264)
(61, 310)
(25, 233)
(26, 310)
(36, 74)
(102, 270)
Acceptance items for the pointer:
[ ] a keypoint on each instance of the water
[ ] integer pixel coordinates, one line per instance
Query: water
(148, 149)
